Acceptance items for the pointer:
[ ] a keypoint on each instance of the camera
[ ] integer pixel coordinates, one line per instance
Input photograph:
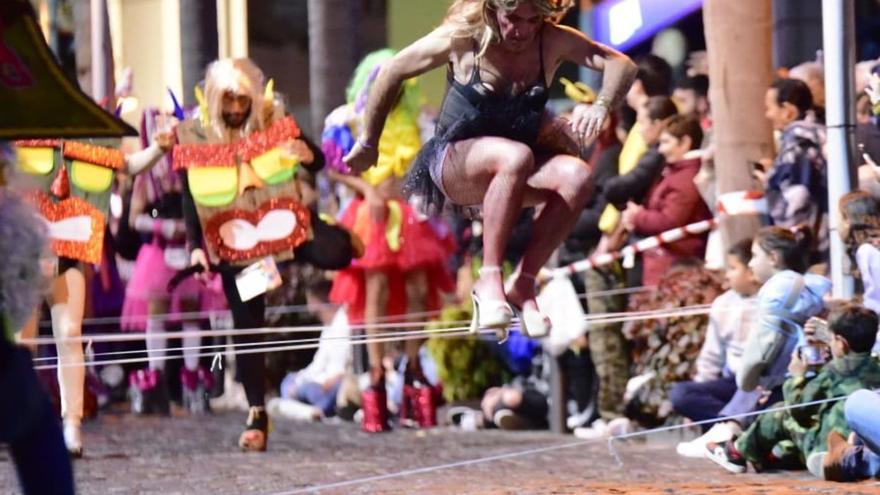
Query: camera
(812, 355)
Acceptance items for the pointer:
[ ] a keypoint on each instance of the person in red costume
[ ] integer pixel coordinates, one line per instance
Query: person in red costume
(402, 270)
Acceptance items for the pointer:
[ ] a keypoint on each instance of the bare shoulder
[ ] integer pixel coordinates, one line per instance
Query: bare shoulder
(564, 37)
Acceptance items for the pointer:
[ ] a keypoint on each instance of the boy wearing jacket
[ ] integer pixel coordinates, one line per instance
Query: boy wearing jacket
(798, 432)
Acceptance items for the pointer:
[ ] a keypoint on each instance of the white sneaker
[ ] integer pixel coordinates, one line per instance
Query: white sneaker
(73, 439)
(599, 429)
(720, 432)
(619, 426)
(293, 410)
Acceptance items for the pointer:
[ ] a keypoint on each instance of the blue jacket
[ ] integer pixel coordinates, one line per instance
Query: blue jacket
(785, 303)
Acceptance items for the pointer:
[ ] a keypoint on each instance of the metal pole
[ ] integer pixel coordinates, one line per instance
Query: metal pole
(838, 21)
(99, 60)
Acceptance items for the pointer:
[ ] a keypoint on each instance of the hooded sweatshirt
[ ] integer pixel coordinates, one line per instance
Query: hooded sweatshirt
(785, 303)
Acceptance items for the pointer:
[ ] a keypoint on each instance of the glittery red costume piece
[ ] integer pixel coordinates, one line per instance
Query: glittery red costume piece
(259, 142)
(89, 252)
(98, 155)
(203, 155)
(299, 235)
(38, 143)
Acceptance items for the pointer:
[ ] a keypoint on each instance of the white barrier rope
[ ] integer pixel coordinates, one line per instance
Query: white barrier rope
(540, 450)
(445, 333)
(136, 336)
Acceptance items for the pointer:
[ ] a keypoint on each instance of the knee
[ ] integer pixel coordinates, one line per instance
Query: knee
(515, 159)
(511, 398)
(858, 404)
(678, 395)
(574, 175)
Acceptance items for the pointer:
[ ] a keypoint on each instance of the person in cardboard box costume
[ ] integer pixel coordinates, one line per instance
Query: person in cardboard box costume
(242, 161)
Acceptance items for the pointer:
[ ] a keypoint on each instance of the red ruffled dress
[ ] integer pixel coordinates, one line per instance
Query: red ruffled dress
(401, 244)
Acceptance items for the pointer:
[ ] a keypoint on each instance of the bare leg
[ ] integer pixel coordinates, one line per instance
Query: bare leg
(67, 303)
(492, 172)
(564, 186)
(376, 302)
(157, 342)
(416, 302)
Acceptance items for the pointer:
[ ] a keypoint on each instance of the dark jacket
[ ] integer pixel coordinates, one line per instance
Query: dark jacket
(635, 185)
(586, 234)
(673, 202)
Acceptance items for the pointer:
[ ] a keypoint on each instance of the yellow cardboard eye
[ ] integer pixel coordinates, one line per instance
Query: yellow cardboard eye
(213, 186)
(91, 178)
(273, 168)
(36, 161)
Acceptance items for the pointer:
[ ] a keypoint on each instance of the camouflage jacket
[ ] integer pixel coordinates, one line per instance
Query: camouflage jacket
(809, 426)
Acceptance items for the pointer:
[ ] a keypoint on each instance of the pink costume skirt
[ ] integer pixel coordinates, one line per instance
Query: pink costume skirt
(149, 282)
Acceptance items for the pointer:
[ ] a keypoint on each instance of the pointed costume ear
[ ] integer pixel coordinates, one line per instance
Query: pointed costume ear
(269, 93)
(269, 101)
(178, 109)
(203, 106)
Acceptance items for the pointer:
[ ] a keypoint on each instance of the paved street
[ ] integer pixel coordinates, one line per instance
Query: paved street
(185, 455)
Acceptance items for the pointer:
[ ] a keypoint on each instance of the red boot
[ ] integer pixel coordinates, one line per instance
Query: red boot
(375, 404)
(425, 405)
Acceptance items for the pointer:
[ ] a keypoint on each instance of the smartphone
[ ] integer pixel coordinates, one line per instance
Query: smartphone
(812, 355)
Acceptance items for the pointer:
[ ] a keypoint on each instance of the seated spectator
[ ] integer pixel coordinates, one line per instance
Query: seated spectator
(788, 297)
(787, 439)
(796, 186)
(673, 202)
(858, 459)
(521, 404)
(317, 384)
(729, 322)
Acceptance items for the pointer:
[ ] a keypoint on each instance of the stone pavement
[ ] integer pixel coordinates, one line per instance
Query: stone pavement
(197, 455)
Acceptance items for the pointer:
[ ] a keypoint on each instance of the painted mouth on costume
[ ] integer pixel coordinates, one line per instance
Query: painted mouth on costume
(75, 228)
(278, 225)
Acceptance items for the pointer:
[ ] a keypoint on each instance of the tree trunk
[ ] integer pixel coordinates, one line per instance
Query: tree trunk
(332, 55)
(738, 40)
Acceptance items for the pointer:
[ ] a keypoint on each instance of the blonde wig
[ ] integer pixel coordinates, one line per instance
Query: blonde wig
(242, 77)
(475, 19)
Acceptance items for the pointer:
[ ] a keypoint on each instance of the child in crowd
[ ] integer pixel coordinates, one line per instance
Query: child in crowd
(674, 201)
(859, 227)
(788, 438)
(796, 187)
(788, 297)
(318, 383)
(730, 319)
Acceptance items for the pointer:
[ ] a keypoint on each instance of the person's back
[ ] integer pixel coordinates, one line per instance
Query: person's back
(786, 300)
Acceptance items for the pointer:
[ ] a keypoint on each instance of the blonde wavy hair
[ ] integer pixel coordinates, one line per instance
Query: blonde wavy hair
(240, 76)
(475, 19)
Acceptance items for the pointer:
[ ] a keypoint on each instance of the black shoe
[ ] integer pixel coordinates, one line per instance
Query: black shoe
(725, 455)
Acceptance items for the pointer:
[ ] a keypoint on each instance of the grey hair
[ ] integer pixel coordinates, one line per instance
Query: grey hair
(22, 241)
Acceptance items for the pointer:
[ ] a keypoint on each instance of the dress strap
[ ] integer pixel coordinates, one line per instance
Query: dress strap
(475, 74)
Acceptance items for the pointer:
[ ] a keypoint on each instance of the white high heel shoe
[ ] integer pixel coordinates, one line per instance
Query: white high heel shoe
(533, 322)
(73, 439)
(494, 314)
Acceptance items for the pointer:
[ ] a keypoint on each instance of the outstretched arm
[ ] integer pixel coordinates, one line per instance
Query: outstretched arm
(618, 71)
(427, 53)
